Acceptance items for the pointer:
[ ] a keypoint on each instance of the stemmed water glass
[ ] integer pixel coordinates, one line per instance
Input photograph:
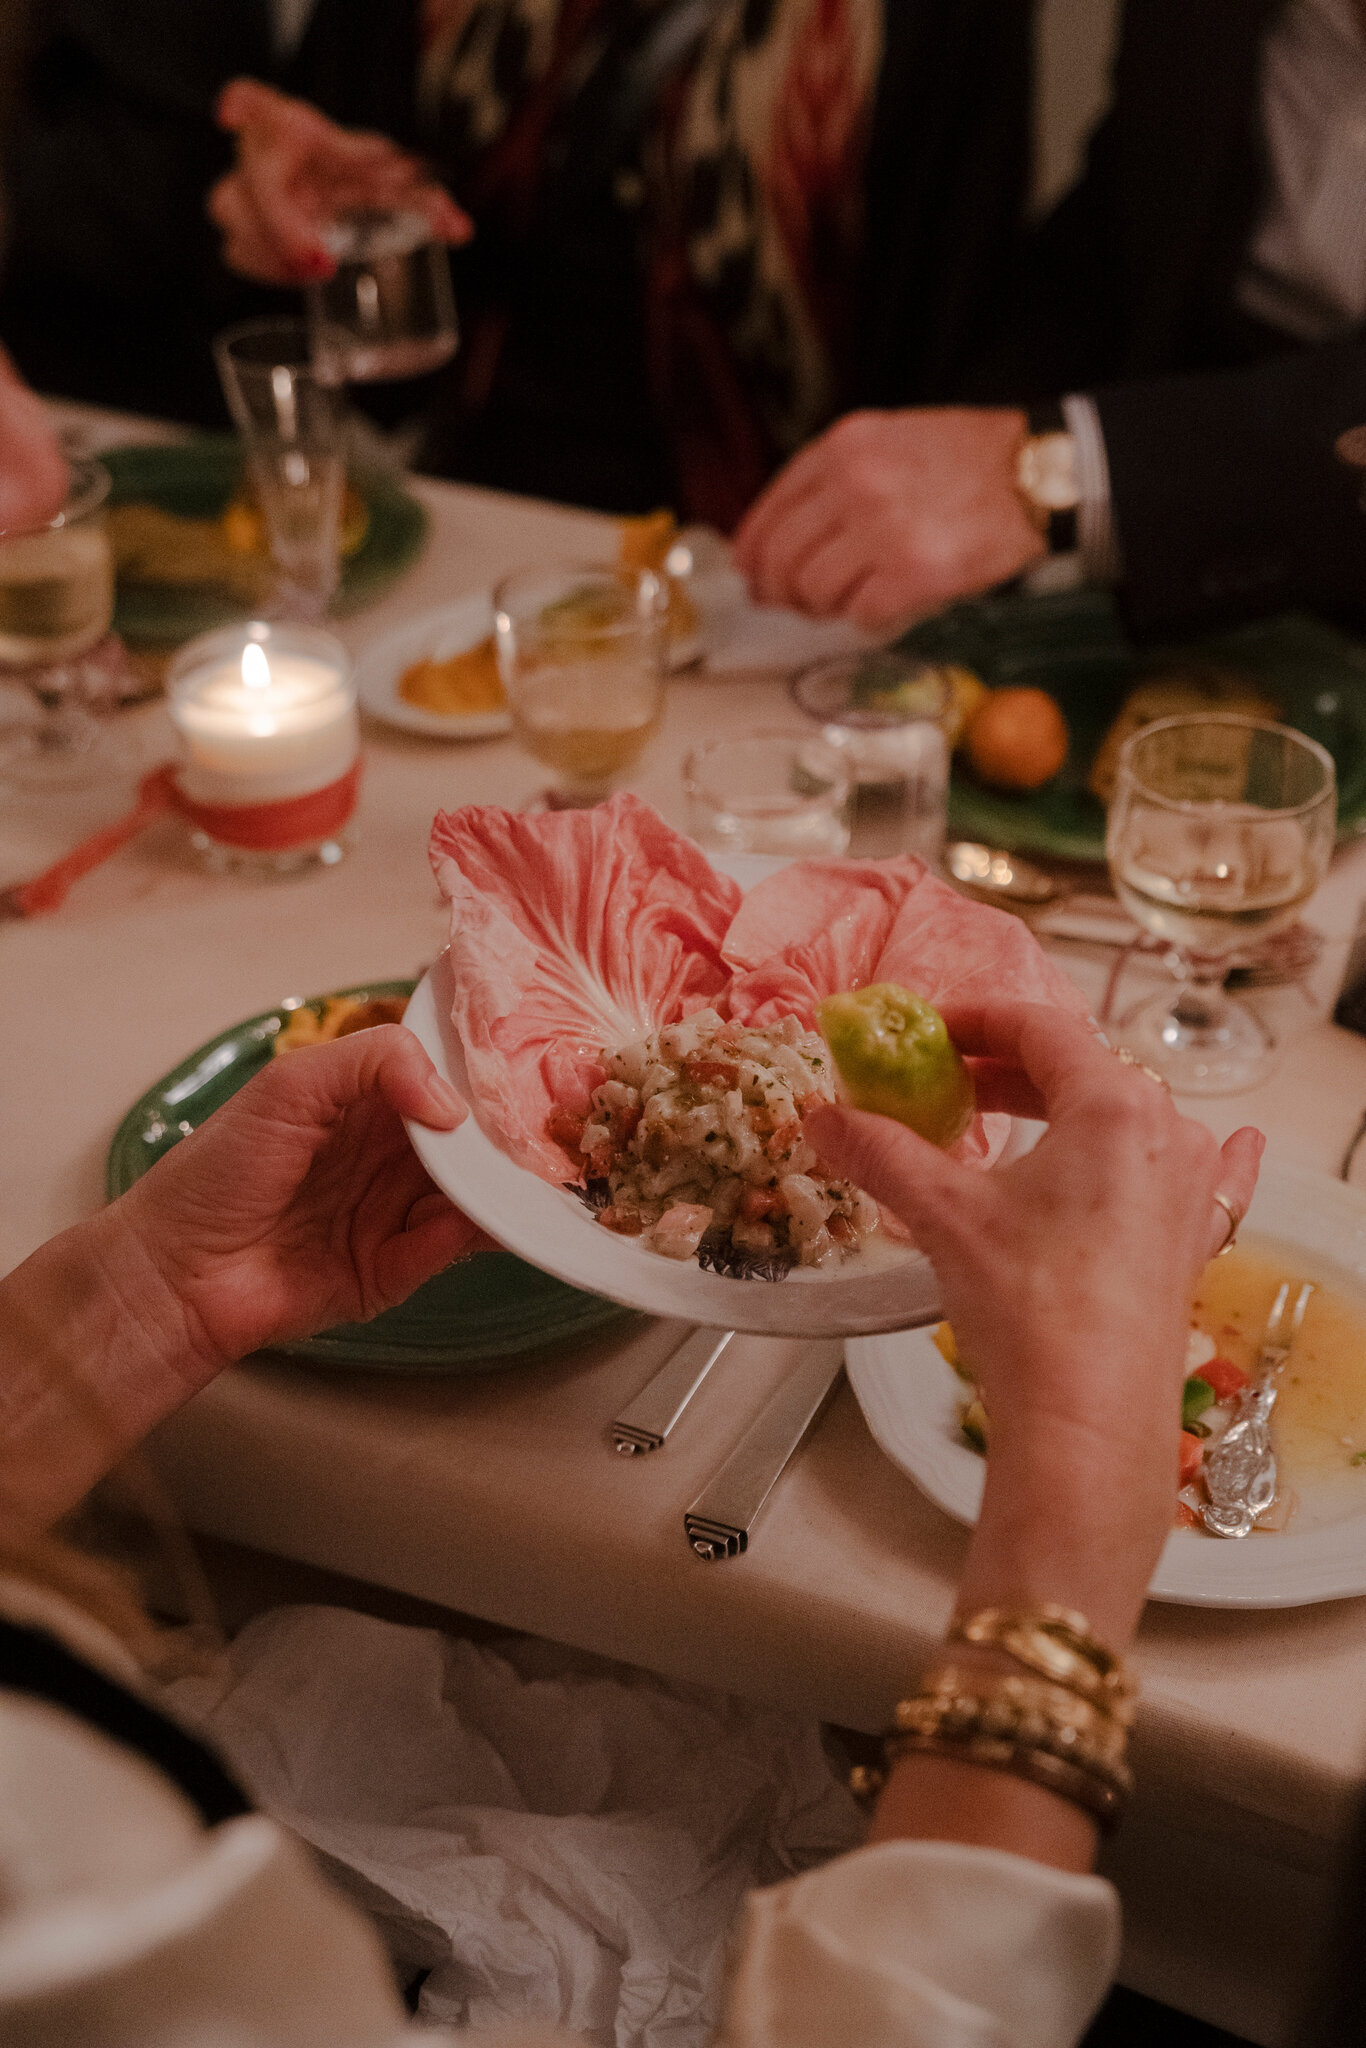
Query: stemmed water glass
(1220, 828)
(581, 652)
(387, 312)
(285, 395)
(56, 604)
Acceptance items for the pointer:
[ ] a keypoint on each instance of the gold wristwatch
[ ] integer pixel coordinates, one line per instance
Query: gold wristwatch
(1046, 477)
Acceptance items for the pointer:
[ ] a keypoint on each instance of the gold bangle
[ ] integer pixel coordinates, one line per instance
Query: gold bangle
(1031, 1727)
(1101, 1798)
(1059, 1645)
(1028, 1710)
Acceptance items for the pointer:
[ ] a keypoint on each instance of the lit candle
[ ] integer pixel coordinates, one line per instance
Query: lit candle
(267, 716)
(265, 713)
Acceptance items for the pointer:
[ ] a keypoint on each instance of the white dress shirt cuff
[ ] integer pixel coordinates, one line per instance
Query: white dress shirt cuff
(922, 1945)
(1097, 540)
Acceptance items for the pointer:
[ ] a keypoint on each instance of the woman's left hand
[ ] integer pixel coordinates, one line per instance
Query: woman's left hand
(297, 1205)
(301, 1202)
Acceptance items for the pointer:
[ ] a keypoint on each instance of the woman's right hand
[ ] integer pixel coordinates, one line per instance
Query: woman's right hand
(296, 171)
(1067, 1277)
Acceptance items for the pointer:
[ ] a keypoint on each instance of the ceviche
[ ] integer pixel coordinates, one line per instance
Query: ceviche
(694, 1143)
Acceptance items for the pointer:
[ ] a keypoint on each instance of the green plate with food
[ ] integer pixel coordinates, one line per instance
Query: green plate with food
(189, 545)
(487, 1312)
(1073, 646)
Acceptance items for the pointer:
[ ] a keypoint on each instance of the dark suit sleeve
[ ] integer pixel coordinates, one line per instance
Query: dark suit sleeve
(1228, 498)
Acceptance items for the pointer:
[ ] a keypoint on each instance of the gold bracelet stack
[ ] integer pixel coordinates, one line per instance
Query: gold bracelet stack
(1065, 1726)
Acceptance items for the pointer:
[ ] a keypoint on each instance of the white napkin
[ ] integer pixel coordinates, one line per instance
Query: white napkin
(553, 1837)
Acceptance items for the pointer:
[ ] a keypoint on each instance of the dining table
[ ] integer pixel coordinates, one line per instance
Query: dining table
(498, 1494)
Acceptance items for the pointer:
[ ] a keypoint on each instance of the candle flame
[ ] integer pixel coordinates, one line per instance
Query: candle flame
(255, 667)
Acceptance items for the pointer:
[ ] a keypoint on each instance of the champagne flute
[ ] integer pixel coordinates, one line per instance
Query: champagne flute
(286, 401)
(1220, 828)
(582, 653)
(56, 604)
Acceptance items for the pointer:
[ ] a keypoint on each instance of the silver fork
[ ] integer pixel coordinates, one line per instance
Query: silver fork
(1240, 1470)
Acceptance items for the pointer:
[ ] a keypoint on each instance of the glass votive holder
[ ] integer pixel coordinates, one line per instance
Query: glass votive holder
(886, 714)
(267, 720)
(784, 793)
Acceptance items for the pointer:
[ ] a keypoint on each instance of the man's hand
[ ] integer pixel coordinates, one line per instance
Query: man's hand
(889, 515)
(296, 171)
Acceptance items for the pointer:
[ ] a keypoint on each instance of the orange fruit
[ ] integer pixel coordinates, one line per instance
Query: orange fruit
(1017, 739)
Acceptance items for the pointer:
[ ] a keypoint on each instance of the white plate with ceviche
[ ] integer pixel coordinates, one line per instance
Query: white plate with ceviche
(633, 1029)
(1301, 1226)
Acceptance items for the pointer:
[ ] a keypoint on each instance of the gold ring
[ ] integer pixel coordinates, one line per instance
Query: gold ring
(1235, 1224)
(1131, 1059)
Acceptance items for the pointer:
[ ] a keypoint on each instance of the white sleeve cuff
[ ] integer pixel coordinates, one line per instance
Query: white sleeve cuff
(922, 1945)
(1097, 541)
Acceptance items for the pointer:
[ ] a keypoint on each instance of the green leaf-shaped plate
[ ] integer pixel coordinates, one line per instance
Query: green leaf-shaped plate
(196, 480)
(1074, 646)
(481, 1315)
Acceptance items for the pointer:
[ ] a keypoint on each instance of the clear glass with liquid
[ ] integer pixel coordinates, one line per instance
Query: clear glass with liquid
(771, 792)
(56, 604)
(581, 653)
(388, 308)
(1220, 829)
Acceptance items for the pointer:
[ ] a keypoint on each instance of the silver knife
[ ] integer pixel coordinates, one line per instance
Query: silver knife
(718, 1523)
(646, 1423)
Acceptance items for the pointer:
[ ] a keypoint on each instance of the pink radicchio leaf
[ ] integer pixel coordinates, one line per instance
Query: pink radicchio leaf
(571, 932)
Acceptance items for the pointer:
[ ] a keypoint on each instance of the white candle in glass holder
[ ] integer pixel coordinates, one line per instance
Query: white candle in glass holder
(265, 714)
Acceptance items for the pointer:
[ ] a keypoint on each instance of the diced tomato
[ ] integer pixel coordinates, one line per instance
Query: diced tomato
(703, 1072)
(1192, 1456)
(600, 1162)
(841, 1229)
(783, 1139)
(1226, 1378)
(621, 1220)
(623, 1122)
(758, 1204)
(565, 1128)
(1186, 1517)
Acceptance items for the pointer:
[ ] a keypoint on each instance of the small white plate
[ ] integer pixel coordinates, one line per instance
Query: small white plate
(432, 636)
(912, 1400)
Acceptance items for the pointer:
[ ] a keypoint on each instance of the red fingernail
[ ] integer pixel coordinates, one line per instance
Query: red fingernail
(314, 268)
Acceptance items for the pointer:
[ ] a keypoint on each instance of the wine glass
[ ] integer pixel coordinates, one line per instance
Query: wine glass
(286, 400)
(56, 604)
(1221, 826)
(581, 652)
(387, 311)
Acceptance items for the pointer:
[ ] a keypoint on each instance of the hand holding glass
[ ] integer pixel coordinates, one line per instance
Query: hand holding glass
(387, 312)
(1221, 827)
